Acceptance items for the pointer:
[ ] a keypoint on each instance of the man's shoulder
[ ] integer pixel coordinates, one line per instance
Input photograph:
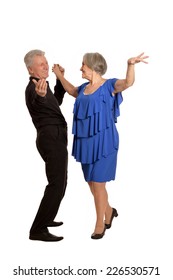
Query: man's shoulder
(30, 84)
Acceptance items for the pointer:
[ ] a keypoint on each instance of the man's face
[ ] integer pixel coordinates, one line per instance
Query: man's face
(39, 68)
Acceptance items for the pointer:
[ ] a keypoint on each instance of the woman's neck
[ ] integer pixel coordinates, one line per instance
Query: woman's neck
(96, 79)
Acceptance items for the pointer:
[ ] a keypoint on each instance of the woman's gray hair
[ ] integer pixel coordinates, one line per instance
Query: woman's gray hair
(96, 62)
(28, 59)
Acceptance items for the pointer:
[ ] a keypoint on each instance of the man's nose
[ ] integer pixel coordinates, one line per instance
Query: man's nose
(46, 67)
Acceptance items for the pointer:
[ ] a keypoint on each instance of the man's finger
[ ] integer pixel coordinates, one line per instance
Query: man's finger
(34, 81)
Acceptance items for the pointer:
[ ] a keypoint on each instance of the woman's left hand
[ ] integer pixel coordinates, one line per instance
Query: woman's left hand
(137, 59)
(58, 70)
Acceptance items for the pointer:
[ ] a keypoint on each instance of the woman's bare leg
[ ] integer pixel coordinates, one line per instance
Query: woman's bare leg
(108, 212)
(101, 202)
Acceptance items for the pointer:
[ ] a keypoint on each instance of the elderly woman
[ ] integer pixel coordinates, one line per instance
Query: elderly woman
(96, 139)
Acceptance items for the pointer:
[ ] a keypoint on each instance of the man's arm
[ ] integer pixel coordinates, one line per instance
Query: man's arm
(59, 92)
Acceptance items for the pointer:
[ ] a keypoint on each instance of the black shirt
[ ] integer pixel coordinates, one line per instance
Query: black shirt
(45, 110)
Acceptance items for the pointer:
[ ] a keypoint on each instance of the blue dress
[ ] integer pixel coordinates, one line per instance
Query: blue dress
(96, 140)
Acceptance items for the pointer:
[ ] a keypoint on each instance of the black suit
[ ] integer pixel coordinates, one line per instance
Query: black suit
(51, 143)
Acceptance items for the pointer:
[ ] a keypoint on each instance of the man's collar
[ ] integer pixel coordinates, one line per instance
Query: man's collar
(37, 79)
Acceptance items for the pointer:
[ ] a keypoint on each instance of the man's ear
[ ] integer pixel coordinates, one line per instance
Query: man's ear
(30, 70)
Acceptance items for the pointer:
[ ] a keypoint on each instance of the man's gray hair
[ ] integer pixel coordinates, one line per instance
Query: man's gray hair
(28, 59)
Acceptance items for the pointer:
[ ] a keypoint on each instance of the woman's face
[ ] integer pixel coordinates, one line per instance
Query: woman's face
(86, 71)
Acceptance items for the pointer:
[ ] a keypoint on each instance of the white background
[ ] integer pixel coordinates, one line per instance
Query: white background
(65, 30)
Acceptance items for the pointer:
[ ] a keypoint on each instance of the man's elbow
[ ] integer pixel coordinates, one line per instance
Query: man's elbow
(60, 100)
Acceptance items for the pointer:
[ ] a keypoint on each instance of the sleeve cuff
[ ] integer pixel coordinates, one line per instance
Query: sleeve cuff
(41, 99)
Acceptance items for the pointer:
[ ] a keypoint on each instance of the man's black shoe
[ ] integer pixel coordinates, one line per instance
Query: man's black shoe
(45, 236)
(55, 224)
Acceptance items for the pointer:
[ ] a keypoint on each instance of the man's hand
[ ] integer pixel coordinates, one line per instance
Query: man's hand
(40, 87)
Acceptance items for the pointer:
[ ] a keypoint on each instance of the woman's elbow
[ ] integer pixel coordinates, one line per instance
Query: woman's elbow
(129, 84)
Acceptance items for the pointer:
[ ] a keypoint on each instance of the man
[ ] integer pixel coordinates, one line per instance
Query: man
(51, 141)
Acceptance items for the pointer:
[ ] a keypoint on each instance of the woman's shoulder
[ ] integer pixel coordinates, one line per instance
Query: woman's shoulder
(111, 81)
(82, 86)
(109, 86)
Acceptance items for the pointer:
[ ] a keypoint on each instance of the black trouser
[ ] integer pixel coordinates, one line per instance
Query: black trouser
(52, 145)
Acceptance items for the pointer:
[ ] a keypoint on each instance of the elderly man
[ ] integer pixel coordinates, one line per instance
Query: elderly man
(51, 141)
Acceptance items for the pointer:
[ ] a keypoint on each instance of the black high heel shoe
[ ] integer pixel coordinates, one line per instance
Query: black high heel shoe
(114, 214)
(98, 235)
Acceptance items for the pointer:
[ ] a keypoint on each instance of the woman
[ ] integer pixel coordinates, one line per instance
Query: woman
(96, 140)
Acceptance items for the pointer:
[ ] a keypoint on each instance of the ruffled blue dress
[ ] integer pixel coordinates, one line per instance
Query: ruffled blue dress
(96, 139)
